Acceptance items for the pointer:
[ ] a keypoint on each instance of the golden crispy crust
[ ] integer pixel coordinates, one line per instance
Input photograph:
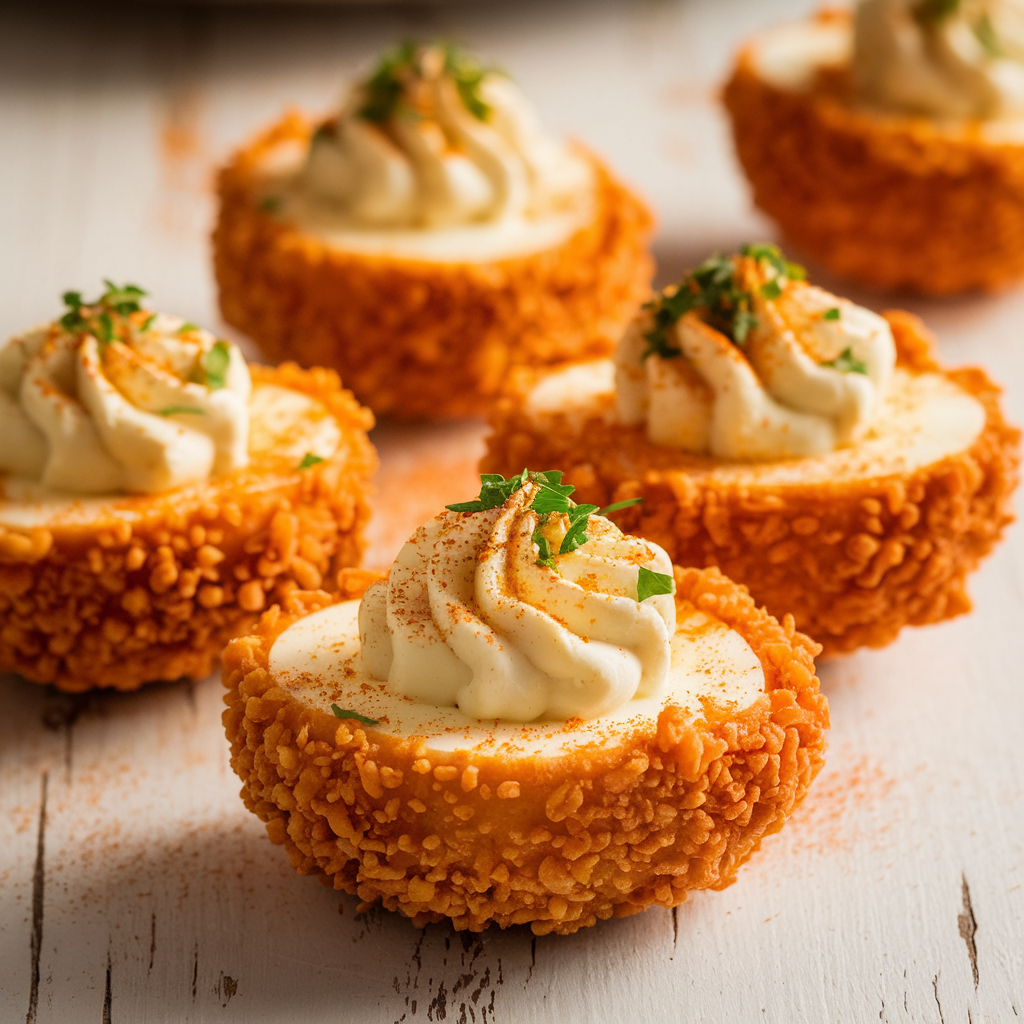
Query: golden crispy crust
(556, 844)
(117, 604)
(419, 339)
(894, 203)
(853, 561)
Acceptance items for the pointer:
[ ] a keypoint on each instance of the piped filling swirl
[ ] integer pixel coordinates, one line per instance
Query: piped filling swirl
(113, 397)
(494, 612)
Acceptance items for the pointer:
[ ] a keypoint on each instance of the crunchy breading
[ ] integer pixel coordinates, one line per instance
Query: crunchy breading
(156, 591)
(558, 844)
(420, 339)
(895, 203)
(854, 561)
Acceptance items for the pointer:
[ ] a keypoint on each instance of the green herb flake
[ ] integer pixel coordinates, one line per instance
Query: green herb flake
(544, 555)
(148, 322)
(270, 204)
(649, 583)
(400, 68)
(831, 314)
(846, 363)
(495, 490)
(309, 459)
(186, 327)
(97, 317)
(743, 323)
(106, 332)
(468, 73)
(552, 495)
(714, 290)
(579, 518)
(182, 410)
(383, 90)
(215, 365)
(122, 299)
(362, 719)
(619, 505)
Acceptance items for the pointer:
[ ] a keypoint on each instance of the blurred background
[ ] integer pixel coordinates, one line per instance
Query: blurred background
(113, 118)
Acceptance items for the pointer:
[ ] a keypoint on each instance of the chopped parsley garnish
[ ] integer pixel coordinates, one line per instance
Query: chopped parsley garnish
(846, 363)
(342, 713)
(97, 318)
(620, 505)
(215, 365)
(649, 583)
(400, 68)
(182, 410)
(123, 300)
(579, 517)
(148, 322)
(106, 329)
(552, 494)
(831, 314)
(309, 459)
(545, 557)
(383, 89)
(552, 497)
(772, 255)
(72, 320)
(468, 73)
(713, 288)
(186, 327)
(271, 204)
(495, 490)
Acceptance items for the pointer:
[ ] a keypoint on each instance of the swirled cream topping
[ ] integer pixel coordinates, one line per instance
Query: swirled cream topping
(745, 360)
(941, 58)
(113, 397)
(523, 606)
(432, 139)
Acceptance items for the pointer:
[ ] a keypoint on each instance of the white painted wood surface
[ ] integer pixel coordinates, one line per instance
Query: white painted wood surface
(133, 884)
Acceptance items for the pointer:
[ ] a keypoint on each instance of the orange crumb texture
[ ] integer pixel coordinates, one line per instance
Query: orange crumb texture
(419, 339)
(156, 586)
(895, 203)
(853, 561)
(556, 843)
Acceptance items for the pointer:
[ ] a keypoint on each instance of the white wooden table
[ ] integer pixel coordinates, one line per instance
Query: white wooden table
(135, 887)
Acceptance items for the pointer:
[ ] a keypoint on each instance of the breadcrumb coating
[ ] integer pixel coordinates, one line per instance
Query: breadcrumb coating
(854, 561)
(895, 203)
(118, 603)
(419, 339)
(556, 843)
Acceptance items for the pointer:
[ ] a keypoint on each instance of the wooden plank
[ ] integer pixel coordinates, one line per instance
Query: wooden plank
(894, 894)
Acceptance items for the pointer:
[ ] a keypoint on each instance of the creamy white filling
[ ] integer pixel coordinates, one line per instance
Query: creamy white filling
(791, 57)
(965, 63)
(88, 418)
(285, 422)
(478, 242)
(807, 379)
(923, 418)
(437, 155)
(469, 618)
(319, 660)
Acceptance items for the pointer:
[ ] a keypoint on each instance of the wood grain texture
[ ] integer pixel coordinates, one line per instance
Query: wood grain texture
(133, 884)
